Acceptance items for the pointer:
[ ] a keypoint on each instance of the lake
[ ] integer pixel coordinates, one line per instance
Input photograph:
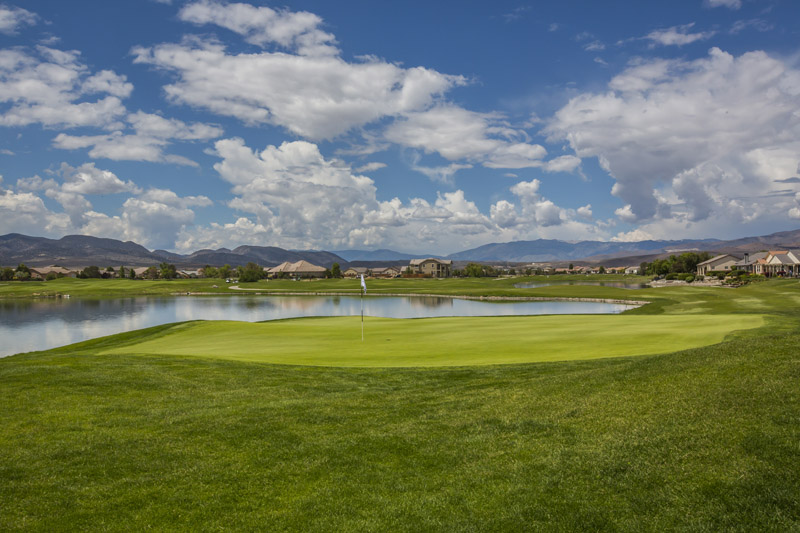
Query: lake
(30, 325)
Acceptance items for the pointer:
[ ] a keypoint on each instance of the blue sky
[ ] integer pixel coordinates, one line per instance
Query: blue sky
(421, 127)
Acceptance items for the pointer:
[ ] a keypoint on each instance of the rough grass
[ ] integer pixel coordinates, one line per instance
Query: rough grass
(704, 439)
(700, 440)
(336, 341)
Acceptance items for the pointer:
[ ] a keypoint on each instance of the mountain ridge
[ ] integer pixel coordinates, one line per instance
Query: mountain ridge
(84, 250)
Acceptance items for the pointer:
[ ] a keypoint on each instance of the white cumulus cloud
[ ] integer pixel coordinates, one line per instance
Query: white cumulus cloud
(54, 89)
(13, 18)
(693, 140)
(316, 97)
(296, 31)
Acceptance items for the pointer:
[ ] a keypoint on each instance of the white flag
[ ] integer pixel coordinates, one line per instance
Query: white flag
(363, 285)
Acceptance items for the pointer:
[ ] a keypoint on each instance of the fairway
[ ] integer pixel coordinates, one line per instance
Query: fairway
(455, 341)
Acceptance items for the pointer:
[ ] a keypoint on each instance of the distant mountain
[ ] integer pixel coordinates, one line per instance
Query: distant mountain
(554, 250)
(72, 250)
(376, 255)
(782, 239)
(82, 250)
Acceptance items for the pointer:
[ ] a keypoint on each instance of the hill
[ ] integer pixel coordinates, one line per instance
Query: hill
(555, 250)
(83, 250)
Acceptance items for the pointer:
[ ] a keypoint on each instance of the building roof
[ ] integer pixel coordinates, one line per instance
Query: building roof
(298, 267)
(53, 268)
(750, 259)
(358, 270)
(718, 258)
(417, 262)
(781, 258)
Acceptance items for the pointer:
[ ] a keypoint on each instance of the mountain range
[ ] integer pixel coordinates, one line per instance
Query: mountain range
(83, 250)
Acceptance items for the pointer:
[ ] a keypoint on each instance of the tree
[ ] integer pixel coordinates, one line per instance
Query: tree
(122, 272)
(131, 273)
(7, 274)
(210, 272)
(601, 270)
(167, 271)
(22, 268)
(90, 272)
(336, 271)
(473, 270)
(686, 263)
(571, 266)
(224, 272)
(251, 272)
(151, 273)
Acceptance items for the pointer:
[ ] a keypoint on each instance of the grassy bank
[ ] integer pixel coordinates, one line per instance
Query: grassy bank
(179, 428)
(105, 288)
(704, 439)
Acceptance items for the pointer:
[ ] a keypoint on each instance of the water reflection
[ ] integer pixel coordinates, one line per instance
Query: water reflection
(27, 325)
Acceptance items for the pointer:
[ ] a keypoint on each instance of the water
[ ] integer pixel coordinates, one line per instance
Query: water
(29, 325)
(616, 284)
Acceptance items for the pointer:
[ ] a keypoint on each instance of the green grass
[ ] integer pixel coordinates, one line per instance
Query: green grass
(162, 429)
(454, 341)
(701, 440)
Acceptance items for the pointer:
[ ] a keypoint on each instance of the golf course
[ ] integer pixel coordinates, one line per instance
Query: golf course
(682, 413)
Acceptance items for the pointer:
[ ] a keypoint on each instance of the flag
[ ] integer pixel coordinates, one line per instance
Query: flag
(363, 284)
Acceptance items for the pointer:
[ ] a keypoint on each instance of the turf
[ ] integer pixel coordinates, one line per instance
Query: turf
(100, 436)
(457, 341)
(700, 440)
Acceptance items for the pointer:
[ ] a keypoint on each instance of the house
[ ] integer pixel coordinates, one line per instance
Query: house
(438, 268)
(632, 270)
(780, 263)
(42, 272)
(715, 264)
(356, 272)
(386, 272)
(140, 271)
(750, 262)
(299, 269)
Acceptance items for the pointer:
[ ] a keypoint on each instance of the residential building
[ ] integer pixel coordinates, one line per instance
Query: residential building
(750, 262)
(386, 272)
(299, 269)
(780, 263)
(356, 272)
(437, 268)
(42, 272)
(715, 264)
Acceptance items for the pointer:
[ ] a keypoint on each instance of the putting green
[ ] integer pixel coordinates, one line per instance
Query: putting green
(457, 341)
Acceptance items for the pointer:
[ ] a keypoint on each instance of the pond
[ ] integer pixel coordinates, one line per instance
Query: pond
(615, 284)
(29, 325)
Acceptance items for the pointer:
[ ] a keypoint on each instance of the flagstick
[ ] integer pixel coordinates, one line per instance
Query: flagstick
(363, 292)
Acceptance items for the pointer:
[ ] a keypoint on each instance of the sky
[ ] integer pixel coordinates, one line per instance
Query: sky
(422, 127)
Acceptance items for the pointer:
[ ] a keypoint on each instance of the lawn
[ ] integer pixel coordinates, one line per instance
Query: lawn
(185, 427)
(452, 341)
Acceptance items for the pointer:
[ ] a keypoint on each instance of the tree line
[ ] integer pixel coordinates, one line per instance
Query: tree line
(686, 263)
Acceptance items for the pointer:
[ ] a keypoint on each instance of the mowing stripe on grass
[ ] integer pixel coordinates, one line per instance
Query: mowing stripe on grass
(455, 341)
